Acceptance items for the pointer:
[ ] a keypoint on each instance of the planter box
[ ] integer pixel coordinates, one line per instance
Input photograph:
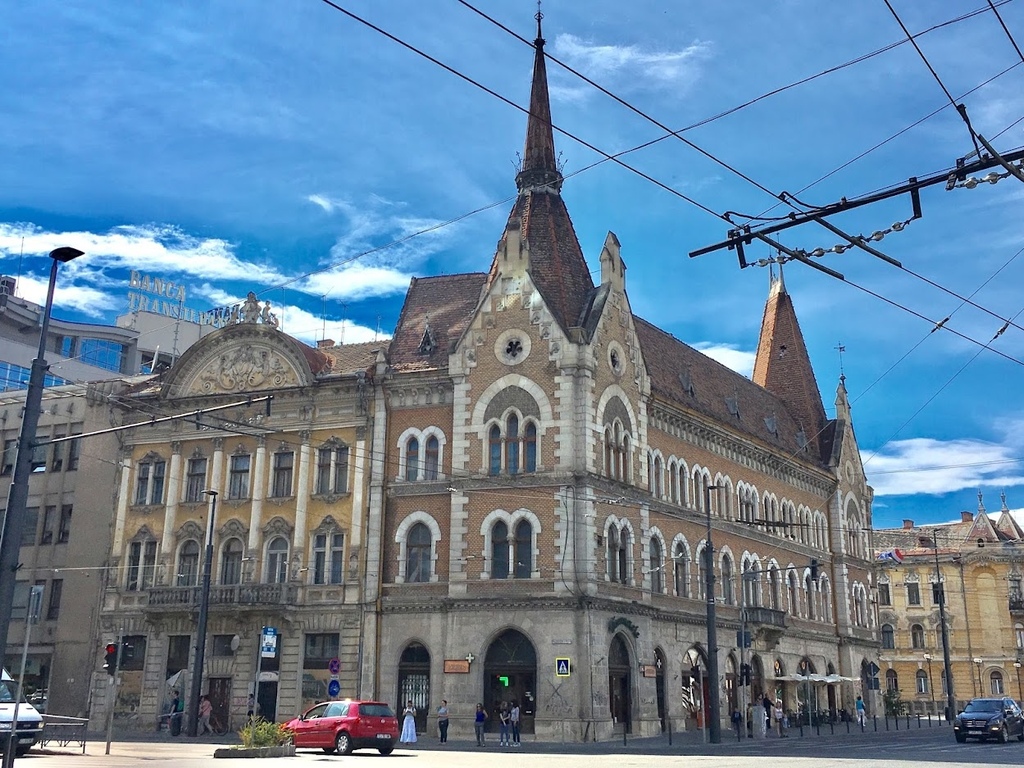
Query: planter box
(286, 750)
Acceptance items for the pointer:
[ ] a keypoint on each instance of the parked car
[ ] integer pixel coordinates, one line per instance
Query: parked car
(342, 726)
(30, 722)
(989, 718)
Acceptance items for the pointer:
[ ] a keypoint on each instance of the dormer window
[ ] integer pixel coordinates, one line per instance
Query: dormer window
(427, 342)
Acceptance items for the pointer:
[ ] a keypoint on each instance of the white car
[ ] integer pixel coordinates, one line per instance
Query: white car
(30, 722)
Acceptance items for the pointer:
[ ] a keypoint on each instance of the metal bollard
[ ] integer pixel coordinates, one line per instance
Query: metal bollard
(886, 717)
(623, 735)
(801, 727)
(669, 720)
(875, 718)
(908, 721)
(919, 721)
(832, 725)
(817, 726)
(896, 719)
(848, 725)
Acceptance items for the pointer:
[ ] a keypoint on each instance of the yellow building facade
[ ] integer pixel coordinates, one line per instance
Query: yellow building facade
(289, 530)
(979, 561)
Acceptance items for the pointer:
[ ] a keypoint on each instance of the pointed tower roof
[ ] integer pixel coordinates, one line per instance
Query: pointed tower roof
(554, 259)
(782, 365)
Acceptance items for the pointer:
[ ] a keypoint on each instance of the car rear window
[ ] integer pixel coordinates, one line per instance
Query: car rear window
(376, 710)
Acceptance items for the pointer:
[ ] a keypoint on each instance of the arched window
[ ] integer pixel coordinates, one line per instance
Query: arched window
(892, 682)
(825, 593)
(512, 444)
(231, 562)
(794, 596)
(1018, 633)
(277, 560)
(417, 554)
(917, 636)
(412, 459)
(681, 569)
(888, 637)
(809, 595)
(922, 681)
(432, 451)
(749, 584)
(499, 551)
(673, 483)
(728, 593)
(494, 450)
(612, 556)
(623, 556)
(530, 447)
(609, 453)
(188, 564)
(523, 550)
(656, 566)
(775, 588)
(656, 488)
(995, 680)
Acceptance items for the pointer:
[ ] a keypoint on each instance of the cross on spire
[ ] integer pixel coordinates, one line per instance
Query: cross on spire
(538, 17)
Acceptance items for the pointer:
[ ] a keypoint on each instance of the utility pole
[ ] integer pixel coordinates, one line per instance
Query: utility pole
(204, 611)
(714, 702)
(940, 593)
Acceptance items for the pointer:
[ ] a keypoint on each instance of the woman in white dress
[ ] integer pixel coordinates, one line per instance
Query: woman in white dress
(409, 724)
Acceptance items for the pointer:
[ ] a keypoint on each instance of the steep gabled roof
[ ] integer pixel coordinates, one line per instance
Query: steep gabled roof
(680, 373)
(447, 303)
(782, 365)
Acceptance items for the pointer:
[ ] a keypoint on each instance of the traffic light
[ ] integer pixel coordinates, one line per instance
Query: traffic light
(745, 674)
(110, 662)
(814, 570)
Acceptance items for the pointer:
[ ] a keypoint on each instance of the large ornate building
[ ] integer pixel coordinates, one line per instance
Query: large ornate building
(978, 560)
(530, 471)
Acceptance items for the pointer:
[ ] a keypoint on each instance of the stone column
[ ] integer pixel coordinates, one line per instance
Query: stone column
(259, 493)
(301, 502)
(122, 503)
(170, 513)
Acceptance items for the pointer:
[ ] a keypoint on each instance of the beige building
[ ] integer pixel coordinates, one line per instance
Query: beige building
(65, 543)
(980, 563)
(290, 530)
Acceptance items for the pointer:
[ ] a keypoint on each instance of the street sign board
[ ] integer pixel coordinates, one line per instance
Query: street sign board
(334, 665)
(874, 669)
(563, 667)
(333, 688)
(268, 643)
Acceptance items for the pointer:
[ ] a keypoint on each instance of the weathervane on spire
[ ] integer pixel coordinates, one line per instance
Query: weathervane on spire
(538, 17)
(842, 374)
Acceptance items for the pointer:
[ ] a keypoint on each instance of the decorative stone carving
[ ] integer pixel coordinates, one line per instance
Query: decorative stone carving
(277, 526)
(189, 530)
(243, 369)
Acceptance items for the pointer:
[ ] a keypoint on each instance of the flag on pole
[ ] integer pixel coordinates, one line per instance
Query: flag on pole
(890, 555)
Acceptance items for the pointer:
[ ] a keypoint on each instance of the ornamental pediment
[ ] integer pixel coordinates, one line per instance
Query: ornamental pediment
(244, 367)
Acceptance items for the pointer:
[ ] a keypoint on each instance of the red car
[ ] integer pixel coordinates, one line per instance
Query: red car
(342, 726)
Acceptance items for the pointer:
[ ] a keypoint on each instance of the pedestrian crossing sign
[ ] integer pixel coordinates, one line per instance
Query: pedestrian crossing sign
(562, 667)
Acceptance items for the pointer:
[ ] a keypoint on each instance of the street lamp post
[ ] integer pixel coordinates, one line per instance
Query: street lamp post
(17, 499)
(931, 688)
(981, 688)
(714, 701)
(204, 610)
(947, 667)
(1020, 696)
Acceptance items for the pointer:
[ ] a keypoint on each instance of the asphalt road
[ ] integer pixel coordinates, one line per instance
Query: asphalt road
(933, 746)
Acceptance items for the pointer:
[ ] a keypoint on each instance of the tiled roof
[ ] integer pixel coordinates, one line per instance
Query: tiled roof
(350, 358)
(693, 380)
(446, 303)
(557, 266)
(918, 540)
(783, 367)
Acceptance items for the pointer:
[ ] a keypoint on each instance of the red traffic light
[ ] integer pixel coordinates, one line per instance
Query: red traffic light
(111, 648)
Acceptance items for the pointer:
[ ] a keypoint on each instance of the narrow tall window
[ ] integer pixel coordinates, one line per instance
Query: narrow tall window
(499, 551)
(412, 459)
(530, 447)
(917, 636)
(418, 544)
(888, 637)
(913, 593)
(681, 570)
(53, 607)
(238, 477)
(512, 445)
(277, 560)
(231, 562)
(328, 558)
(612, 555)
(623, 554)
(656, 566)
(149, 484)
(64, 530)
(188, 564)
(332, 469)
(284, 463)
(432, 452)
(523, 550)
(494, 450)
(195, 479)
(141, 565)
(727, 582)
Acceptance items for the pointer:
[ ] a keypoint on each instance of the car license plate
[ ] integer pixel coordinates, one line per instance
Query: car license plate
(975, 731)
(383, 735)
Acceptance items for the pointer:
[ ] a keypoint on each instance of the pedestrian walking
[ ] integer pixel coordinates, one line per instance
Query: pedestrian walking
(205, 710)
(478, 724)
(504, 726)
(860, 712)
(408, 724)
(780, 718)
(442, 721)
(514, 715)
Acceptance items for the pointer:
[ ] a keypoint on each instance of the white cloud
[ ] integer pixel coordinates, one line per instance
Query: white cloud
(325, 203)
(929, 466)
(728, 355)
(644, 67)
(82, 298)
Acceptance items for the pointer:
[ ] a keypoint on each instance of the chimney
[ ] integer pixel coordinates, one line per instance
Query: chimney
(907, 524)
(325, 343)
(966, 517)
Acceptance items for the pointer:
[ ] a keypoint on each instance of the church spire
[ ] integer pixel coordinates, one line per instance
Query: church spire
(539, 168)
(782, 365)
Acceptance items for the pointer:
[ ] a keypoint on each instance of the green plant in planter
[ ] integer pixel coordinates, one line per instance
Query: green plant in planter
(261, 733)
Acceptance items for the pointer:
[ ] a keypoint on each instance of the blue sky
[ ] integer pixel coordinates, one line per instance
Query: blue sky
(239, 147)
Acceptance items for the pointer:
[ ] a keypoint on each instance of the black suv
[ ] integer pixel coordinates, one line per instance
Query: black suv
(989, 718)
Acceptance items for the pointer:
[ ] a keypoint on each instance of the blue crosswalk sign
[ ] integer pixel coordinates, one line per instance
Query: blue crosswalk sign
(562, 667)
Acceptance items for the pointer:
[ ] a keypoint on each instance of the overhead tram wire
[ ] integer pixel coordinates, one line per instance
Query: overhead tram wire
(642, 174)
(1005, 29)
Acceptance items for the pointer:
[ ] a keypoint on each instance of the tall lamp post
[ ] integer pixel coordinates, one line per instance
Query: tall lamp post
(17, 499)
(981, 688)
(947, 667)
(192, 727)
(1020, 696)
(931, 688)
(714, 701)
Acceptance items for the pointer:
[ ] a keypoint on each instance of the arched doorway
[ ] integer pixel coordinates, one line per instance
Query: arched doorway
(620, 672)
(809, 692)
(510, 674)
(659, 686)
(831, 690)
(779, 670)
(731, 701)
(414, 682)
(695, 690)
(757, 689)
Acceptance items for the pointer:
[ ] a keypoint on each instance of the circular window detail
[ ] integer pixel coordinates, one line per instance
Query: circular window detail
(616, 356)
(512, 347)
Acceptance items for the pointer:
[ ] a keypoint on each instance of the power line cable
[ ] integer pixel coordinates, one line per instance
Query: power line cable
(1006, 29)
